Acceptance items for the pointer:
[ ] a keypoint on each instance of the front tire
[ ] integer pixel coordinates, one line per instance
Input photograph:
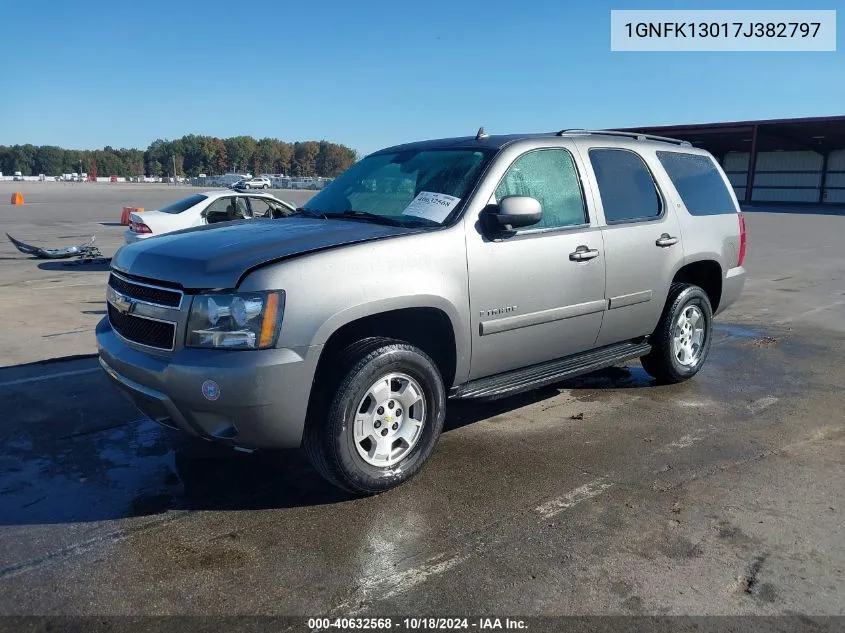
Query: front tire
(681, 342)
(385, 412)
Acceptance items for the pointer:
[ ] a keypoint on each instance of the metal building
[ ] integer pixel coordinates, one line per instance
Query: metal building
(795, 161)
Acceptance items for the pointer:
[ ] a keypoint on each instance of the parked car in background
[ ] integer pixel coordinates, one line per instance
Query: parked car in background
(257, 182)
(205, 208)
(18, 176)
(472, 268)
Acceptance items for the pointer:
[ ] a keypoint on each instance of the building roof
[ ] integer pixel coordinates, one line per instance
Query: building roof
(819, 134)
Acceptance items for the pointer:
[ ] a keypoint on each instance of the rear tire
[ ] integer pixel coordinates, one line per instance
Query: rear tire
(384, 411)
(681, 342)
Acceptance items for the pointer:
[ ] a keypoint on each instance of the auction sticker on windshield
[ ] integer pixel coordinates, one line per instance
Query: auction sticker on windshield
(431, 206)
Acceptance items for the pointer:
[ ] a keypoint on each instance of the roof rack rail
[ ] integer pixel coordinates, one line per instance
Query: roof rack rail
(637, 135)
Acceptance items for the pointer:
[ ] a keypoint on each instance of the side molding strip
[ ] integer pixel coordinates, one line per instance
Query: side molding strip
(495, 326)
(628, 300)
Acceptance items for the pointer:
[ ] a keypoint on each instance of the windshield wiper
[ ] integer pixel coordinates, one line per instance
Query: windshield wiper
(365, 215)
(308, 213)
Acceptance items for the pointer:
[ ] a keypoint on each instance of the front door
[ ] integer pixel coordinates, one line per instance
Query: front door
(537, 294)
(642, 242)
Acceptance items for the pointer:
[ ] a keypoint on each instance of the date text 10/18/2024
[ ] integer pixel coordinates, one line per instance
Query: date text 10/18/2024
(416, 624)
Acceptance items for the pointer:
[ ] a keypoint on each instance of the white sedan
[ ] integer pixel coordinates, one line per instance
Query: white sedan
(205, 208)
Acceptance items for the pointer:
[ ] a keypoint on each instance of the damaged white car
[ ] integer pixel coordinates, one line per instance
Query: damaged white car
(205, 208)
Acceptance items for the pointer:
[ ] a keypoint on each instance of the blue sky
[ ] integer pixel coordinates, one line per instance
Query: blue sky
(374, 73)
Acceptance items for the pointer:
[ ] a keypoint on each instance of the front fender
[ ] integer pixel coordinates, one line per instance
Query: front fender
(332, 288)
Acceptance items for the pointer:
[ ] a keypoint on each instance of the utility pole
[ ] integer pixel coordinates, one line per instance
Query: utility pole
(174, 169)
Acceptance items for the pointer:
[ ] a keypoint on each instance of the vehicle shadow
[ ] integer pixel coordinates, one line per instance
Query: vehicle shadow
(95, 266)
(461, 413)
(118, 464)
(214, 477)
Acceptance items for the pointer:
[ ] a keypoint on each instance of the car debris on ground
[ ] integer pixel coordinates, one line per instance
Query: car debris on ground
(85, 253)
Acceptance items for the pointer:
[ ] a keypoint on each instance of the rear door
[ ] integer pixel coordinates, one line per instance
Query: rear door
(267, 208)
(538, 293)
(642, 241)
(259, 207)
(226, 209)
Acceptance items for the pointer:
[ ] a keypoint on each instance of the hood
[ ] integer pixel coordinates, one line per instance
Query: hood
(218, 256)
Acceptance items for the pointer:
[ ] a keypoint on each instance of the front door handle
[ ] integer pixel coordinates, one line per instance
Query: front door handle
(666, 240)
(583, 253)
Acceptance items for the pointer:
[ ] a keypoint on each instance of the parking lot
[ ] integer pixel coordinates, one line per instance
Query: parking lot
(601, 495)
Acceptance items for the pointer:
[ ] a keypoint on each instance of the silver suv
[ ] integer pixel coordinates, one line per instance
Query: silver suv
(256, 182)
(470, 268)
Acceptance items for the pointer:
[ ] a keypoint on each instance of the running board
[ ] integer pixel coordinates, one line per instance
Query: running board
(548, 373)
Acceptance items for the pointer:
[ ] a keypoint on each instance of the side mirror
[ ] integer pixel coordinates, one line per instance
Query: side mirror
(513, 212)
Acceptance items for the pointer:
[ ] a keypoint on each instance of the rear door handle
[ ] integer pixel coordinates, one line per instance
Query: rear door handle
(666, 240)
(583, 253)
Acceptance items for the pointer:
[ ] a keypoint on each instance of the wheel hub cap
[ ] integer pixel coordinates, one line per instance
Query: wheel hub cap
(389, 420)
(688, 336)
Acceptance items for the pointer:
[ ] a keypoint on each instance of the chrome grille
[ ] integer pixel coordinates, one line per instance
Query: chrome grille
(142, 313)
(142, 330)
(154, 295)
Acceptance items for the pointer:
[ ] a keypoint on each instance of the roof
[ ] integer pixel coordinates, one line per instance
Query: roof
(493, 142)
(219, 193)
(498, 141)
(216, 193)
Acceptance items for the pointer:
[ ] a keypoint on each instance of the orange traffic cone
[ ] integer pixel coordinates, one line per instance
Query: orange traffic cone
(124, 215)
(17, 198)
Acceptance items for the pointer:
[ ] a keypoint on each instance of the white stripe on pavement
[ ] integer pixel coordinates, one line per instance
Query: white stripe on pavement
(61, 374)
(573, 497)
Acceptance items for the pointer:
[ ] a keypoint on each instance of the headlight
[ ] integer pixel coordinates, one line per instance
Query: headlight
(243, 320)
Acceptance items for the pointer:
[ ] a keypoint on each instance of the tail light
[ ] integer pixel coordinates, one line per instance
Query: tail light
(742, 239)
(139, 227)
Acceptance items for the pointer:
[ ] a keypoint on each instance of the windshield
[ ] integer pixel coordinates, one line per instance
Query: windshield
(412, 187)
(184, 203)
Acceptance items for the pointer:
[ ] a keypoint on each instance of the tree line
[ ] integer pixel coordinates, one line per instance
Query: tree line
(191, 155)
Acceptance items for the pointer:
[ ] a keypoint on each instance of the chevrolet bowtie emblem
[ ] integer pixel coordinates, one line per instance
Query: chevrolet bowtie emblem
(121, 303)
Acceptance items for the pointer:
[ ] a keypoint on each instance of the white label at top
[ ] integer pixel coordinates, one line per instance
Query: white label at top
(431, 206)
(723, 30)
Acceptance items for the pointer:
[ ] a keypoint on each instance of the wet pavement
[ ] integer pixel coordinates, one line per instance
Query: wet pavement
(602, 495)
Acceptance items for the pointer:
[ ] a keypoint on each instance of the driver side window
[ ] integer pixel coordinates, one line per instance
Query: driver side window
(549, 176)
(389, 189)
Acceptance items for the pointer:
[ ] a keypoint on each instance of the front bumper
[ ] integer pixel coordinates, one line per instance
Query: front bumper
(260, 400)
(731, 287)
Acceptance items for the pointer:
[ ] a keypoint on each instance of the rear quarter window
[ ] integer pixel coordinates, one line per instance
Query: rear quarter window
(183, 204)
(698, 182)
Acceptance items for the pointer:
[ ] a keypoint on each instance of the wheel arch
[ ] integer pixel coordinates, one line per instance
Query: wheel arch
(429, 325)
(707, 274)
